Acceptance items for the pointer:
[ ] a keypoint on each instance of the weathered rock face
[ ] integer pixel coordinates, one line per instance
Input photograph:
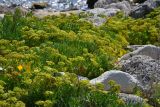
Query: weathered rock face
(102, 11)
(96, 18)
(103, 3)
(146, 69)
(123, 6)
(141, 10)
(125, 80)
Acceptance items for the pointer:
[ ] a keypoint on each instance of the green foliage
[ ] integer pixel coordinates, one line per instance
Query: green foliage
(33, 51)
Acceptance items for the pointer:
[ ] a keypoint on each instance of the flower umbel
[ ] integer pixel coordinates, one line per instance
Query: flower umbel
(20, 67)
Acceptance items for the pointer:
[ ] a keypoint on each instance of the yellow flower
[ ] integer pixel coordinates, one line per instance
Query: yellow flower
(20, 67)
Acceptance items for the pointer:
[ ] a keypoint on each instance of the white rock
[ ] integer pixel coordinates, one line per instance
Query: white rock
(1, 69)
(131, 99)
(1, 16)
(148, 50)
(125, 80)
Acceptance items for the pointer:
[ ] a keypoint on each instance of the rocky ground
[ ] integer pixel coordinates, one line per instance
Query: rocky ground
(135, 9)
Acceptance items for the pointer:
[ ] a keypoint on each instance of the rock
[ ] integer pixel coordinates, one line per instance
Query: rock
(144, 68)
(3, 9)
(127, 82)
(96, 18)
(1, 69)
(134, 47)
(1, 16)
(103, 3)
(39, 5)
(123, 6)
(140, 11)
(148, 50)
(131, 99)
(102, 11)
(58, 74)
(144, 8)
(97, 21)
(82, 78)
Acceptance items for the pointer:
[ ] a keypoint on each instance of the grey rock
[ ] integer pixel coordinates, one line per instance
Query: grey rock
(144, 68)
(82, 78)
(148, 50)
(97, 21)
(127, 82)
(123, 6)
(140, 11)
(102, 3)
(135, 47)
(102, 11)
(144, 8)
(131, 99)
(96, 18)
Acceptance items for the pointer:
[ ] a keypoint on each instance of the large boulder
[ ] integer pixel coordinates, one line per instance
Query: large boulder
(148, 50)
(123, 6)
(143, 9)
(96, 14)
(144, 68)
(127, 82)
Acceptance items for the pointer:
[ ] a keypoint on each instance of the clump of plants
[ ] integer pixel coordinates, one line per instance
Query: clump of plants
(35, 52)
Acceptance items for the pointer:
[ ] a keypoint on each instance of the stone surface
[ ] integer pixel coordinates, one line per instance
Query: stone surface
(82, 78)
(143, 9)
(127, 82)
(102, 3)
(123, 6)
(96, 18)
(1, 16)
(144, 68)
(102, 11)
(148, 50)
(129, 98)
(1, 69)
